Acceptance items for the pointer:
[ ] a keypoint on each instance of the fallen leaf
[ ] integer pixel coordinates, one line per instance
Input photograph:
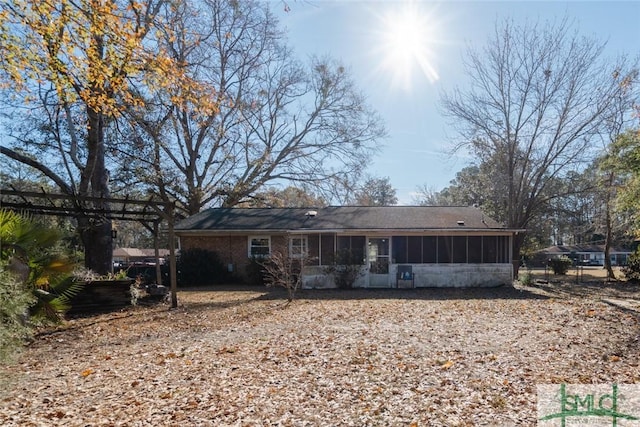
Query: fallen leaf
(447, 364)
(227, 350)
(87, 372)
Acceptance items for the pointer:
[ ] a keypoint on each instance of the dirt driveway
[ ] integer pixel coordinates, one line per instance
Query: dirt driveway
(239, 357)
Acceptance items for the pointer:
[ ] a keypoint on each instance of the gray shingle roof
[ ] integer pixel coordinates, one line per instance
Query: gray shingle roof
(567, 249)
(344, 218)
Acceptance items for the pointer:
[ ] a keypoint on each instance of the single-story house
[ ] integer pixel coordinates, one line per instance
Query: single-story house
(126, 256)
(396, 246)
(587, 254)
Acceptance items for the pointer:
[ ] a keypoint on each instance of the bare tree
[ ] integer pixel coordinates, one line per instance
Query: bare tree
(289, 197)
(426, 195)
(538, 97)
(277, 121)
(284, 270)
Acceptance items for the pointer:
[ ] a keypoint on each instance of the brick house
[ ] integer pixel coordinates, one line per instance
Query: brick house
(397, 246)
(138, 255)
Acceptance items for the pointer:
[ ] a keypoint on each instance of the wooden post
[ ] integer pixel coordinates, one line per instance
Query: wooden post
(172, 257)
(156, 248)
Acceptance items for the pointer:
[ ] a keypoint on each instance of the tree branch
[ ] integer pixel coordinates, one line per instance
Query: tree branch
(39, 166)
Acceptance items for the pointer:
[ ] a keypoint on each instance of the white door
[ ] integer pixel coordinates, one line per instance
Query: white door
(378, 260)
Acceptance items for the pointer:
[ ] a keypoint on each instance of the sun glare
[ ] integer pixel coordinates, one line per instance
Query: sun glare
(406, 42)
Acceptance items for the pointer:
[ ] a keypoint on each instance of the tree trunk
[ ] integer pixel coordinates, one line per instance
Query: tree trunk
(96, 233)
(608, 231)
(518, 240)
(607, 251)
(98, 245)
(94, 182)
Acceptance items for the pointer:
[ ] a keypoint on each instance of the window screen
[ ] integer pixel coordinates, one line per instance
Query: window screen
(444, 249)
(459, 249)
(399, 249)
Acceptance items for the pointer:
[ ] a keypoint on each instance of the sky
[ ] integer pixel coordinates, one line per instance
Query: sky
(404, 54)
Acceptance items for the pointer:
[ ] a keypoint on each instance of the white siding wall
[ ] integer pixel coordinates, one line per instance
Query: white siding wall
(462, 275)
(428, 275)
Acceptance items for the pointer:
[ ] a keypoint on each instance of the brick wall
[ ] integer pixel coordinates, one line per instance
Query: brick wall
(231, 249)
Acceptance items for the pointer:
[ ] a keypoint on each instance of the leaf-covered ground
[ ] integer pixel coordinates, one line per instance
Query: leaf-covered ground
(424, 357)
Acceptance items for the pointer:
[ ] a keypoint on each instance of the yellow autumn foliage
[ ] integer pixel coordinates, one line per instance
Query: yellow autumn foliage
(90, 51)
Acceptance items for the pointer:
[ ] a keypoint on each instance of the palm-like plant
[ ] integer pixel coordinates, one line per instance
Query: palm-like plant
(31, 252)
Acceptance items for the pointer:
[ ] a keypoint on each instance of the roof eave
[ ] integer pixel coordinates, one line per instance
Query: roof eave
(456, 230)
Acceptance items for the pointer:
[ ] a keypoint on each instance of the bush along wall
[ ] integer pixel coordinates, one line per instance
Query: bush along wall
(197, 267)
(254, 273)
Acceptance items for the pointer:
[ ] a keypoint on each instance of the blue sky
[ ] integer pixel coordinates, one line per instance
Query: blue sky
(362, 35)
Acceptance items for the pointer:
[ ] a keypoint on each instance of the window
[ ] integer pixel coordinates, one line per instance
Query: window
(475, 249)
(414, 249)
(353, 246)
(446, 249)
(298, 246)
(259, 246)
(459, 249)
(430, 249)
(313, 243)
(327, 249)
(358, 244)
(489, 249)
(503, 244)
(399, 249)
(445, 245)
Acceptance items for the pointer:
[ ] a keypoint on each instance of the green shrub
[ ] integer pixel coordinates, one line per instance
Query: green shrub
(31, 252)
(631, 271)
(15, 300)
(200, 267)
(526, 278)
(560, 265)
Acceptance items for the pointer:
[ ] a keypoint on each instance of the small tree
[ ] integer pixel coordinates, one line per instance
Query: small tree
(282, 269)
(346, 268)
(560, 265)
(376, 192)
(15, 300)
(632, 270)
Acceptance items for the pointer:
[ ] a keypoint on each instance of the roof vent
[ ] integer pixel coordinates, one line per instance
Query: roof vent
(461, 223)
(311, 213)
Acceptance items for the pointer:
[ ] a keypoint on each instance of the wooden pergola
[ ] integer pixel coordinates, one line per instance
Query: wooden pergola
(121, 209)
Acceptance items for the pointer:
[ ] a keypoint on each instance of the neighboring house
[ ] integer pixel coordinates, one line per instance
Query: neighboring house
(586, 254)
(126, 256)
(428, 245)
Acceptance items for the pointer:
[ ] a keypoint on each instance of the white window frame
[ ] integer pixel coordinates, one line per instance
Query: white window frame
(303, 247)
(250, 246)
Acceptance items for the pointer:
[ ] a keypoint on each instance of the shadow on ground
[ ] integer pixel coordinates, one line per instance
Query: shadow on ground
(594, 288)
(623, 295)
(501, 292)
